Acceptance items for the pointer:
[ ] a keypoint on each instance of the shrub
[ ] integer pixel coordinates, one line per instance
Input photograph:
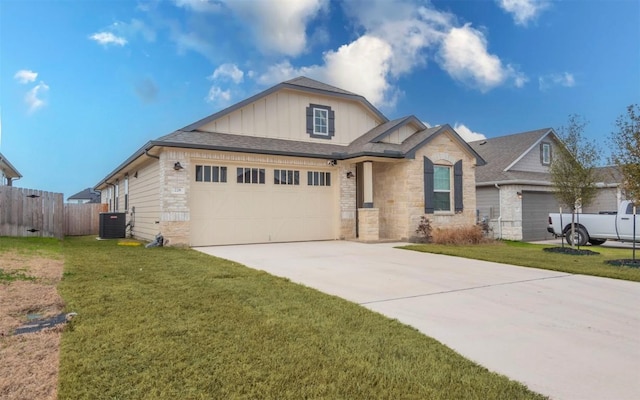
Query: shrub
(424, 230)
(472, 234)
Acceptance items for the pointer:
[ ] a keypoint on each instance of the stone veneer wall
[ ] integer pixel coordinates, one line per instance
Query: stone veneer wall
(347, 201)
(369, 224)
(399, 190)
(174, 198)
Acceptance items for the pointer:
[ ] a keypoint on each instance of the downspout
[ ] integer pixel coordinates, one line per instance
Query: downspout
(500, 209)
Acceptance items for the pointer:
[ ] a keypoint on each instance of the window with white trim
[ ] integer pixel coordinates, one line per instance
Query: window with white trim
(317, 178)
(126, 192)
(117, 196)
(441, 188)
(286, 177)
(320, 121)
(545, 153)
(250, 175)
(211, 173)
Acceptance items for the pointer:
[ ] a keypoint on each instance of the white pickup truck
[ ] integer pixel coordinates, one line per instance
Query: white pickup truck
(597, 228)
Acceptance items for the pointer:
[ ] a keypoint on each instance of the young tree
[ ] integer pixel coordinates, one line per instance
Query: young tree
(625, 153)
(573, 171)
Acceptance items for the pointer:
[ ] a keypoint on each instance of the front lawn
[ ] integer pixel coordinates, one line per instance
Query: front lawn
(166, 323)
(531, 255)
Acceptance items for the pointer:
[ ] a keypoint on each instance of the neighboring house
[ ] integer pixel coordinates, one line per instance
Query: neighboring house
(88, 195)
(300, 161)
(8, 173)
(514, 190)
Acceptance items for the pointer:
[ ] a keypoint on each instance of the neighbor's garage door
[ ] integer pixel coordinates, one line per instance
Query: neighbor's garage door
(250, 207)
(536, 207)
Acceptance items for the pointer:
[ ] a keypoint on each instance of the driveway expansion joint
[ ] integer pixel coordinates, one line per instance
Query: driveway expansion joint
(464, 289)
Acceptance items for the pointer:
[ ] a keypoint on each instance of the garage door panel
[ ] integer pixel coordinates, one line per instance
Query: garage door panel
(536, 207)
(232, 213)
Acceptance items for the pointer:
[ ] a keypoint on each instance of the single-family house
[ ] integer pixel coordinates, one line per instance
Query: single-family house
(87, 195)
(8, 173)
(514, 190)
(302, 160)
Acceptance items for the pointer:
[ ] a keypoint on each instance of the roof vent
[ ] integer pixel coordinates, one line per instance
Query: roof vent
(483, 142)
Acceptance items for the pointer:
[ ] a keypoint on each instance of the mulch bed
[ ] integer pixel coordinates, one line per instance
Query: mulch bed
(570, 251)
(625, 262)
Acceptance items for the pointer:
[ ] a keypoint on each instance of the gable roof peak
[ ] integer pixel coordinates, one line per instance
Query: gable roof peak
(309, 83)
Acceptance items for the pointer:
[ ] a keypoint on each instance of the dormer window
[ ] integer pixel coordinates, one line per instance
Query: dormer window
(320, 121)
(545, 153)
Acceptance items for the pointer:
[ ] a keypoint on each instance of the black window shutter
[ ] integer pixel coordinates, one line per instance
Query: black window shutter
(457, 186)
(332, 123)
(310, 120)
(428, 186)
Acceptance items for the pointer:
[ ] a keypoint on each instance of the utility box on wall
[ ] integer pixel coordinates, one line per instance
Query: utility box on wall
(112, 225)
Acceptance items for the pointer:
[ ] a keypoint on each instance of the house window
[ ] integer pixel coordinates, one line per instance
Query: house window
(117, 196)
(545, 153)
(316, 178)
(320, 121)
(286, 177)
(126, 192)
(250, 175)
(442, 188)
(211, 173)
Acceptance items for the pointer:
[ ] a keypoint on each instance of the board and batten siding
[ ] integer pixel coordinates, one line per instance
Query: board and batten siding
(282, 115)
(144, 197)
(400, 135)
(488, 202)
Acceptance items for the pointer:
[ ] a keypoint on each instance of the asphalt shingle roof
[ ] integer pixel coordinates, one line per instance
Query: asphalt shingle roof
(502, 151)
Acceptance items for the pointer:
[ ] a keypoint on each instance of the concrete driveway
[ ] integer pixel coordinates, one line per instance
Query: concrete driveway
(565, 336)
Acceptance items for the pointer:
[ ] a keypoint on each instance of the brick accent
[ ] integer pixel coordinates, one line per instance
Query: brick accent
(174, 198)
(347, 201)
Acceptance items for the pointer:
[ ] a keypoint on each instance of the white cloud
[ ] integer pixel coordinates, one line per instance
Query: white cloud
(217, 95)
(199, 5)
(467, 134)
(564, 79)
(107, 38)
(25, 76)
(360, 67)
(34, 99)
(228, 71)
(523, 11)
(465, 57)
(279, 26)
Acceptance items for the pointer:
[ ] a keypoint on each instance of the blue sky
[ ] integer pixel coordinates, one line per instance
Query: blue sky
(83, 84)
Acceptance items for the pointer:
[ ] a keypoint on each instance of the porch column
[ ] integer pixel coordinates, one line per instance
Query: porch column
(367, 184)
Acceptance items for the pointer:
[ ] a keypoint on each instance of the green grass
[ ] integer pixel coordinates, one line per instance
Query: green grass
(532, 255)
(168, 323)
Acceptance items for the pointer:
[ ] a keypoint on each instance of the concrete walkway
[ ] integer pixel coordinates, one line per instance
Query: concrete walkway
(565, 336)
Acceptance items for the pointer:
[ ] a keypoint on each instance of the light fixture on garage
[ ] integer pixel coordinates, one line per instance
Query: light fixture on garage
(519, 195)
(349, 175)
(177, 166)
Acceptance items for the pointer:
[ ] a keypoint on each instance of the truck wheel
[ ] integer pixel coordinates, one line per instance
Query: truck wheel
(597, 242)
(580, 235)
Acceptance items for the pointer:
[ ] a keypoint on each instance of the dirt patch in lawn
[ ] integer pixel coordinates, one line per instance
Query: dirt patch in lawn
(29, 361)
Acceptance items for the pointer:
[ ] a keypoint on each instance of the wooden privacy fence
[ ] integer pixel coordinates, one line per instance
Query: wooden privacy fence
(28, 212)
(82, 219)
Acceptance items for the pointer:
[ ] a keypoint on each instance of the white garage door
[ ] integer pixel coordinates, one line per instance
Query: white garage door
(536, 207)
(257, 204)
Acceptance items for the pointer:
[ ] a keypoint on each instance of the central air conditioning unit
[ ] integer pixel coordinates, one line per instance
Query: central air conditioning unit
(112, 225)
